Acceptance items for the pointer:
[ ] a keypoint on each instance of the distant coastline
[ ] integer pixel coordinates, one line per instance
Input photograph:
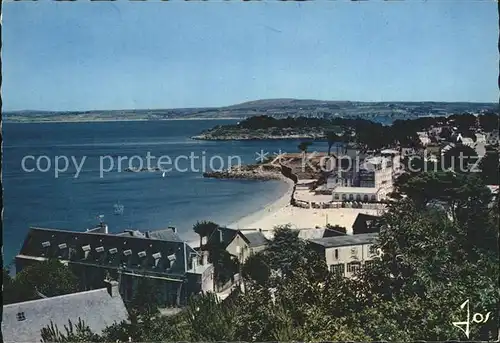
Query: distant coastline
(277, 108)
(108, 120)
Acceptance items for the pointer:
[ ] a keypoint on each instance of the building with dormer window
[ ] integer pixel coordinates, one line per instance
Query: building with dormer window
(161, 256)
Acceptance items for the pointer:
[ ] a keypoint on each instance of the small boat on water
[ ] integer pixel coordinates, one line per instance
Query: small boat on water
(118, 209)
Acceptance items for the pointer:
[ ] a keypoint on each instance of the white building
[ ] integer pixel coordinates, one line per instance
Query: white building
(480, 138)
(424, 138)
(376, 172)
(492, 137)
(347, 254)
(361, 194)
(467, 141)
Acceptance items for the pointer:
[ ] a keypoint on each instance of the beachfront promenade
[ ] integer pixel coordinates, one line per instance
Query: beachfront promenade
(282, 212)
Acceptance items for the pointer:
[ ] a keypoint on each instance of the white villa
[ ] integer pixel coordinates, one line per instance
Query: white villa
(347, 254)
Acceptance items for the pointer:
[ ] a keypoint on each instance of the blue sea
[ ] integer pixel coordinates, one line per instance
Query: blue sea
(125, 200)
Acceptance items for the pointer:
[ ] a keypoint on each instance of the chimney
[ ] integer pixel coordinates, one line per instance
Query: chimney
(173, 229)
(112, 287)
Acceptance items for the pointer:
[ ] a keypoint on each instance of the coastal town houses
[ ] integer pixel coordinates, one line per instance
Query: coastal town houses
(347, 254)
(175, 269)
(99, 308)
(239, 243)
(246, 243)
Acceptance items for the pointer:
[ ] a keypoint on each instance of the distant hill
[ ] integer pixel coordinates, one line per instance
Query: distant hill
(278, 108)
(269, 103)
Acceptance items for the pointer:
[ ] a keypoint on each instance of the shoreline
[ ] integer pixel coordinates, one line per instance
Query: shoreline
(111, 120)
(247, 221)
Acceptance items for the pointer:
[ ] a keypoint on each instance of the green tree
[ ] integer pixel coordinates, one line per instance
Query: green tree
(489, 121)
(205, 229)
(49, 278)
(255, 268)
(426, 272)
(490, 168)
(74, 333)
(459, 158)
(210, 319)
(145, 301)
(225, 265)
(303, 146)
(331, 138)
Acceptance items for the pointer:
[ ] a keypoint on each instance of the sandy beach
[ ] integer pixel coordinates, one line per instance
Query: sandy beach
(249, 220)
(282, 213)
(305, 218)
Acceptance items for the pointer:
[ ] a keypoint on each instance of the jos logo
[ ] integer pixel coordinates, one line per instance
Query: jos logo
(476, 318)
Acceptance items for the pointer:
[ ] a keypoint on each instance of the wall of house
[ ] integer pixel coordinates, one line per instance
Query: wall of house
(207, 280)
(348, 254)
(232, 248)
(346, 196)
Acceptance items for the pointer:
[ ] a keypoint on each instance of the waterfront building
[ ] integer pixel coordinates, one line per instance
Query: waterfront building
(99, 308)
(346, 254)
(369, 181)
(173, 267)
(246, 243)
(359, 194)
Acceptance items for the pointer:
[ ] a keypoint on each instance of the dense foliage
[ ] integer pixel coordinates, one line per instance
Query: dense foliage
(49, 278)
(368, 135)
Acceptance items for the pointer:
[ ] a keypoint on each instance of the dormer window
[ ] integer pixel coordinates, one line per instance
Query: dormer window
(141, 254)
(99, 249)
(46, 244)
(127, 252)
(171, 259)
(86, 251)
(157, 257)
(113, 251)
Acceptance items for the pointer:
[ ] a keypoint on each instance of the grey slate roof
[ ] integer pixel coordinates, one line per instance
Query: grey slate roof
(339, 241)
(165, 235)
(109, 250)
(255, 239)
(97, 308)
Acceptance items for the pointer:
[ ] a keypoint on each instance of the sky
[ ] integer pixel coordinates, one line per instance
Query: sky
(137, 55)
